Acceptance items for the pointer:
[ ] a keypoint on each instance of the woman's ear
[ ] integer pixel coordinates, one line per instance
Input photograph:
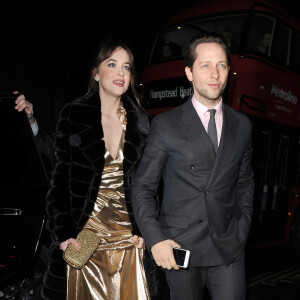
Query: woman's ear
(96, 75)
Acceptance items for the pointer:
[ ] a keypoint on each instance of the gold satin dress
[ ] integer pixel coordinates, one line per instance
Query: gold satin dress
(115, 271)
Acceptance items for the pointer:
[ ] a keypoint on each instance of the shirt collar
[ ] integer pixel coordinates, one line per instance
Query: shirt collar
(202, 109)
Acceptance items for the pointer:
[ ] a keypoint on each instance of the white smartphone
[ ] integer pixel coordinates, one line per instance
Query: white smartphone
(182, 257)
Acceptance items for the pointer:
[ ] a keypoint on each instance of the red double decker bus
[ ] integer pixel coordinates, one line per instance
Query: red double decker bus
(264, 83)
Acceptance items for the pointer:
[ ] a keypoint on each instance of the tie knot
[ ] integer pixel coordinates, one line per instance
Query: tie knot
(212, 112)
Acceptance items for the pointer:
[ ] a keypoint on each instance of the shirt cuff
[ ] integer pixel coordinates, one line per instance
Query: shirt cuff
(35, 128)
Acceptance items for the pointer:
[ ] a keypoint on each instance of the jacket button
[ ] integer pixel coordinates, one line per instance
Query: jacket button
(200, 222)
(229, 190)
(192, 167)
(228, 216)
(206, 192)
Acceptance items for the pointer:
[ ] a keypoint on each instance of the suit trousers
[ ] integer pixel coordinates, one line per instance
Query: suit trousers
(225, 282)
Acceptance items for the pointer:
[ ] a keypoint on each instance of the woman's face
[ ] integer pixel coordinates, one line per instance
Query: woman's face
(114, 74)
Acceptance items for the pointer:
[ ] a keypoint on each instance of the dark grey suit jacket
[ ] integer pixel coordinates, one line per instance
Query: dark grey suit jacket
(207, 199)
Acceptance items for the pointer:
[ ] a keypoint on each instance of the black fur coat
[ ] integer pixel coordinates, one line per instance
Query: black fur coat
(79, 152)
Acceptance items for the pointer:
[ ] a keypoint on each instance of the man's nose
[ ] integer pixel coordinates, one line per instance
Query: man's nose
(215, 72)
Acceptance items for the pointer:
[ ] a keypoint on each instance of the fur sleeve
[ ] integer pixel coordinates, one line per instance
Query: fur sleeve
(58, 197)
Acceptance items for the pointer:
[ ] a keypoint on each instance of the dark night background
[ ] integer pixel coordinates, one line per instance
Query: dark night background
(46, 48)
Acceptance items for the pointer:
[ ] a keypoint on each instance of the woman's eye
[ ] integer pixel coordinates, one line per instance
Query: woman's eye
(111, 64)
(127, 68)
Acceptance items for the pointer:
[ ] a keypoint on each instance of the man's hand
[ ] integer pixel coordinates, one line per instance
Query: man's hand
(163, 254)
(21, 104)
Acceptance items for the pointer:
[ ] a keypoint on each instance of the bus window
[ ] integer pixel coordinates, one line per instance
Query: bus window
(167, 50)
(265, 141)
(280, 44)
(295, 162)
(295, 57)
(259, 38)
(282, 157)
(178, 37)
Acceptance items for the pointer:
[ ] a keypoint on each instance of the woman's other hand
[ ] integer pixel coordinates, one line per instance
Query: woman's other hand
(137, 241)
(64, 245)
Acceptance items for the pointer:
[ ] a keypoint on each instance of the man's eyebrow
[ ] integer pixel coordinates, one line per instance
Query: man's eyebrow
(207, 61)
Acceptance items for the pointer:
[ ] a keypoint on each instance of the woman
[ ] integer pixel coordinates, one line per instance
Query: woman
(100, 139)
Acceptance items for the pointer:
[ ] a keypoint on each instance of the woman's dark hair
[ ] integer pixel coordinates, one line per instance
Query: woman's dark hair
(106, 49)
(204, 38)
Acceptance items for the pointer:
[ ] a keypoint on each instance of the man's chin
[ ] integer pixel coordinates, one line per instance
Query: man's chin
(214, 97)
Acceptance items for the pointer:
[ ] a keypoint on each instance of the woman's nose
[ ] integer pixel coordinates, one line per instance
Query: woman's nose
(120, 71)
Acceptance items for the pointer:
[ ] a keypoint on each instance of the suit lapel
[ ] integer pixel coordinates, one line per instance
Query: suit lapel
(194, 131)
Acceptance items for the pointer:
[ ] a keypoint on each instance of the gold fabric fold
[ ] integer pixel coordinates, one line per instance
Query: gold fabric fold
(115, 271)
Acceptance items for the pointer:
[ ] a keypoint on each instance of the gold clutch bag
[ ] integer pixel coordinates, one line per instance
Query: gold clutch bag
(89, 243)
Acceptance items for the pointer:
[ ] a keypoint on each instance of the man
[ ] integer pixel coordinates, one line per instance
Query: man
(44, 144)
(208, 182)
(42, 139)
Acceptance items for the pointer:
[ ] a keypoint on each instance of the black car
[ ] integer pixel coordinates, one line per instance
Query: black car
(23, 187)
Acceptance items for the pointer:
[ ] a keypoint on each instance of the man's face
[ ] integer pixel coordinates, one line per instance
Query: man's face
(266, 40)
(166, 51)
(209, 73)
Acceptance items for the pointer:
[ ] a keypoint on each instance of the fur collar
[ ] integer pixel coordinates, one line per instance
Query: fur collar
(85, 129)
(136, 115)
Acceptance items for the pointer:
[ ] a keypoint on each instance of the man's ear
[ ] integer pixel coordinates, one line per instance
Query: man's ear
(189, 73)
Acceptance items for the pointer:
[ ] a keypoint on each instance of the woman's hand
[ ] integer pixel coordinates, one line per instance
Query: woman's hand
(63, 246)
(137, 241)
